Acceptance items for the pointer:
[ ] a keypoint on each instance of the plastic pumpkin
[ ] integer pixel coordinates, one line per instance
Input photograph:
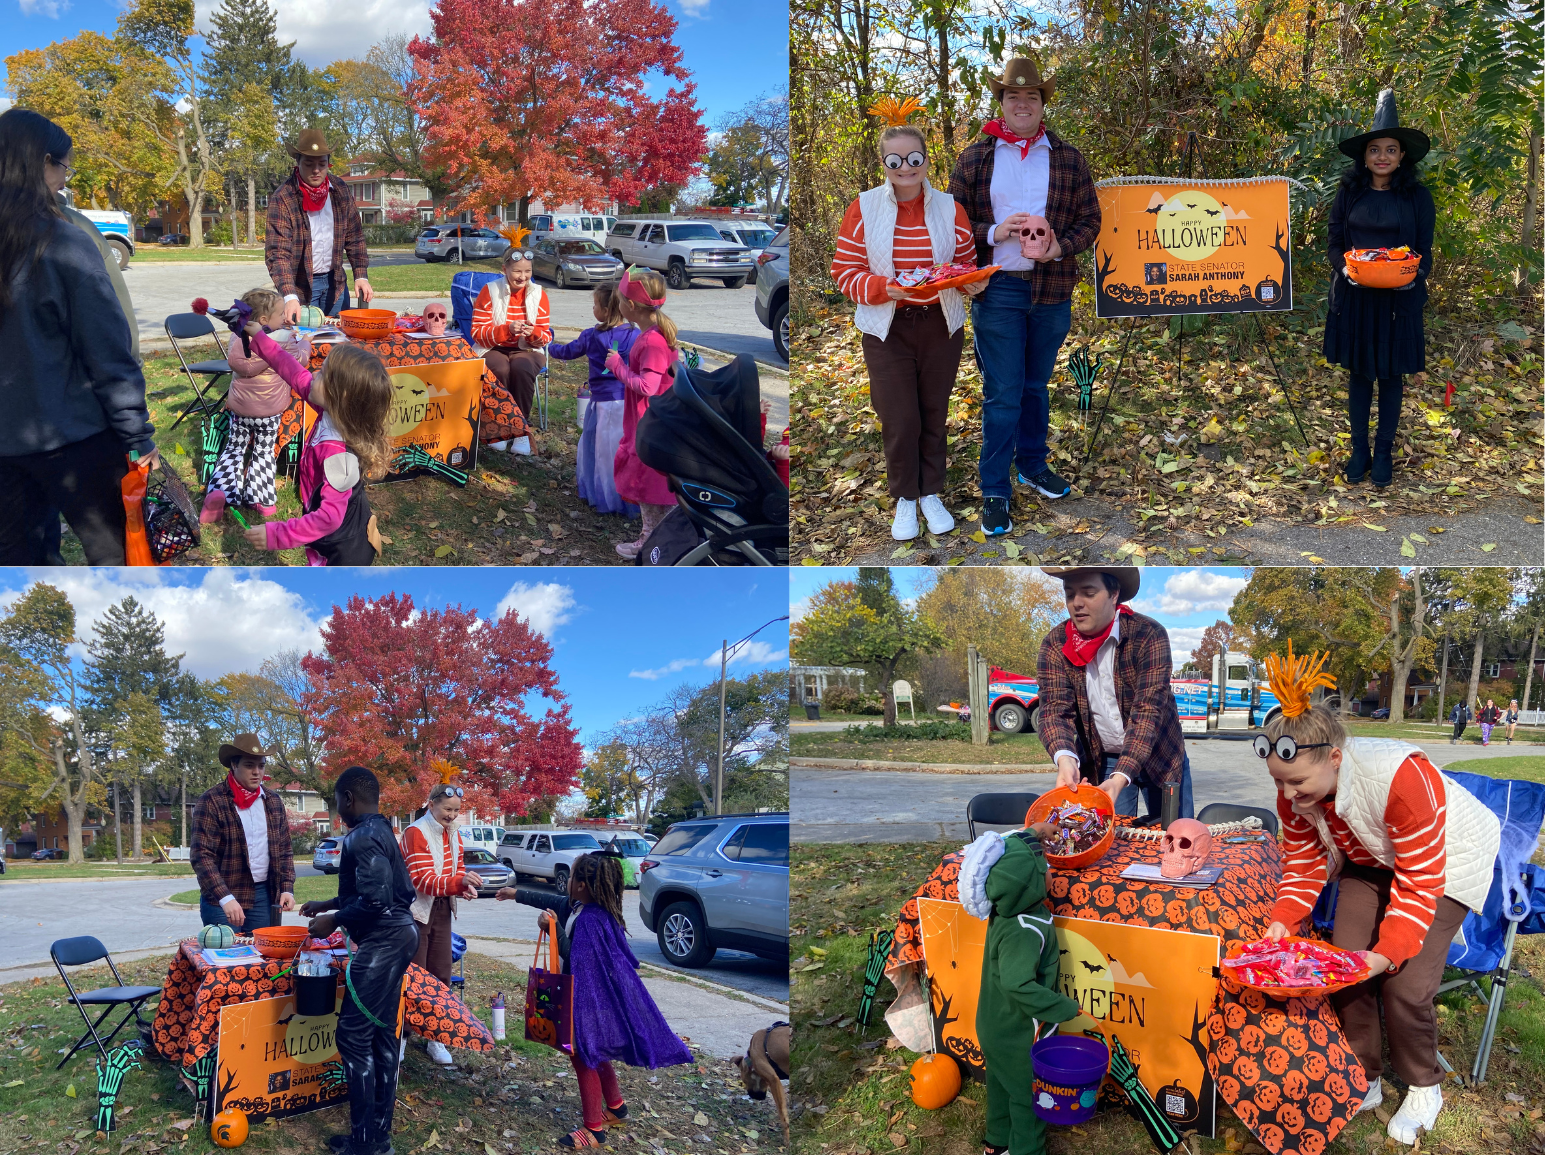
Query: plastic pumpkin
(935, 1081)
(217, 936)
(229, 1128)
(311, 317)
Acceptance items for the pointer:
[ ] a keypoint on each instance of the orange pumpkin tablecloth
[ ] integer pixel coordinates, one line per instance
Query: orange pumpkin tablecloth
(1283, 1067)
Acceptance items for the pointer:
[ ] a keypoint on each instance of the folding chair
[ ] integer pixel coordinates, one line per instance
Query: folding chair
(1229, 812)
(190, 327)
(76, 952)
(541, 392)
(459, 978)
(997, 810)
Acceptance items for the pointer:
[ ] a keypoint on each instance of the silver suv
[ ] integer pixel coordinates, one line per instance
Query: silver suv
(719, 881)
(681, 250)
(772, 291)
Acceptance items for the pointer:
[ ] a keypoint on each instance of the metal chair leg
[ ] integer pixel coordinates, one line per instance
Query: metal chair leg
(1494, 1010)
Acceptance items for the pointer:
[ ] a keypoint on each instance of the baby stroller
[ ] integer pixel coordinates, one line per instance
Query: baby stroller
(705, 436)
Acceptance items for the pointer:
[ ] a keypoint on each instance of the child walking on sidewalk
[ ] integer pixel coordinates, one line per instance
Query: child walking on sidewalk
(645, 373)
(602, 432)
(256, 403)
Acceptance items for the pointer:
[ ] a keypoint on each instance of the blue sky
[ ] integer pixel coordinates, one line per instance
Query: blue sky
(622, 638)
(1186, 601)
(736, 49)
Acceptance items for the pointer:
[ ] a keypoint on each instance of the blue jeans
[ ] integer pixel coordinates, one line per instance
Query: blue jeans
(259, 914)
(327, 286)
(1017, 344)
(1126, 801)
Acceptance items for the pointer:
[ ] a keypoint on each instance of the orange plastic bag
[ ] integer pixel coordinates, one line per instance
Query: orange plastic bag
(136, 541)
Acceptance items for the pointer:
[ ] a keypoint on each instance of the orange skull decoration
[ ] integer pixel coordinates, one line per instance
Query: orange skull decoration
(1185, 848)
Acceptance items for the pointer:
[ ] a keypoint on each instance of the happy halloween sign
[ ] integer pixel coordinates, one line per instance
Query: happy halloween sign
(1199, 247)
(436, 408)
(1151, 988)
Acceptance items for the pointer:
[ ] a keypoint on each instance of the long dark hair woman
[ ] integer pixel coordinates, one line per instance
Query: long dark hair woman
(75, 395)
(1377, 333)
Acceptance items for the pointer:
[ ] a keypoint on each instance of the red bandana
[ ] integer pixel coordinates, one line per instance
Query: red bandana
(312, 199)
(995, 128)
(244, 797)
(1080, 650)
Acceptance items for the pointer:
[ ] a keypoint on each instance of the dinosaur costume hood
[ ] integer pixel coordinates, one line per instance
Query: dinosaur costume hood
(1016, 884)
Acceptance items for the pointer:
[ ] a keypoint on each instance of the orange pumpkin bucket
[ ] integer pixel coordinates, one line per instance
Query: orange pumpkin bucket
(1383, 273)
(1085, 795)
(367, 324)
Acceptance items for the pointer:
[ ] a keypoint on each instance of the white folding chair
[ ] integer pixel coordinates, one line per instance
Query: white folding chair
(902, 692)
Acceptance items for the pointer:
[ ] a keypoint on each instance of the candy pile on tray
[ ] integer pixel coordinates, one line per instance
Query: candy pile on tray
(1401, 254)
(1075, 829)
(408, 323)
(914, 278)
(1299, 963)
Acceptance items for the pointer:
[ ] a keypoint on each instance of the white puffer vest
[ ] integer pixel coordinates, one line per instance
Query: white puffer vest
(434, 835)
(877, 206)
(1472, 838)
(499, 298)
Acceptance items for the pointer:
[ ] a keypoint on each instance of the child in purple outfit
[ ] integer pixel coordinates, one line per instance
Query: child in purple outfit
(602, 430)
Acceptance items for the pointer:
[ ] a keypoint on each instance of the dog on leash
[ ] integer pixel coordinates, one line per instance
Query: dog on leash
(764, 1066)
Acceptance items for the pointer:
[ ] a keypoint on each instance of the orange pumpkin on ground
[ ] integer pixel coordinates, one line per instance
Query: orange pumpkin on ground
(935, 1081)
(229, 1128)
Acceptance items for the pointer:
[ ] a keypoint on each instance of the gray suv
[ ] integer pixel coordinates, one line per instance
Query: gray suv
(772, 290)
(720, 881)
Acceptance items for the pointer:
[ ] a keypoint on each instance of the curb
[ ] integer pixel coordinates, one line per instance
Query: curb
(921, 767)
(6, 880)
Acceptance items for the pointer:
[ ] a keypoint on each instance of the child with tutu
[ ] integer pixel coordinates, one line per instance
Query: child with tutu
(645, 373)
(602, 431)
(349, 443)
(256, 402)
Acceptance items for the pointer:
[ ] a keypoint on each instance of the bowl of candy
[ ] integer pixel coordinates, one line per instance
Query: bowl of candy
(1294, 967)
(931, 280)
(1085, 823)
(1382, 268)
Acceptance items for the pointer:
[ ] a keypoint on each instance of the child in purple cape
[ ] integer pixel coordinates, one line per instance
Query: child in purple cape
(614, 1017)
(602, 429)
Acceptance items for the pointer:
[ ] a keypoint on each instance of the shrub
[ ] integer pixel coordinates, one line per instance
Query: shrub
(929, 731)
(393, 234)
(841, 700)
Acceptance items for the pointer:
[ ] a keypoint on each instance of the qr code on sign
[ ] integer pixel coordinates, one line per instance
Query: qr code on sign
(1174, 1105)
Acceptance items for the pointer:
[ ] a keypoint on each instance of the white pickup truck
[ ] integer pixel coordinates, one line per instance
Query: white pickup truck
(546, 854)
(118, 228)
(681, 250)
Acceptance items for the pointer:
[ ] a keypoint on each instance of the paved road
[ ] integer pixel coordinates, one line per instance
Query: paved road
(901, 806)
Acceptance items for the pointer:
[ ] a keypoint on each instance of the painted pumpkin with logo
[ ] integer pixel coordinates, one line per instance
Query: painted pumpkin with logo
(935, 1081)
(229, 1128)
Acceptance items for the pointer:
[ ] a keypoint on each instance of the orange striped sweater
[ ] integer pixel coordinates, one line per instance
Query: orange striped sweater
(485, 333)
(912, 249)
(1417, 827)
(421, 864)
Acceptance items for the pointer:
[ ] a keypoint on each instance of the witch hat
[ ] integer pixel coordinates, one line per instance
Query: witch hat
(1386, 122)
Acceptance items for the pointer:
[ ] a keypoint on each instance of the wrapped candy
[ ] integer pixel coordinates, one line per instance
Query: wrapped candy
(1075, 829)
(1401, 254)
(1295, 963)
(914, 278)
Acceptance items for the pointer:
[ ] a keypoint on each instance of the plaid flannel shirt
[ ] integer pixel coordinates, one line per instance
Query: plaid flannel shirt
(220, 848)
(1072, 210)
(287, 249)
(1154, 748)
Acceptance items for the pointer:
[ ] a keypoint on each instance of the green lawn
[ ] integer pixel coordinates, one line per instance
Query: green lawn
(1528, 767)
(22, 870)
(424, 277)
(1011, 748)
(1428, 731)
(307, 889)
(838, 894)
(515, 1100)
(149, 254)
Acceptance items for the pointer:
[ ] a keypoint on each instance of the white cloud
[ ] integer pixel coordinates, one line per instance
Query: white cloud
(1197, 591)
(545, 606)
(752, 653)
(49, 8)
(324, 33)
(5, 103)
(1182, 640)
(798, 609)
(697, 8)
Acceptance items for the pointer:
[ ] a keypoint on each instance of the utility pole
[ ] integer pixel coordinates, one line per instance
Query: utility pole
(718, 777)
(185, 808)
(1443, 680)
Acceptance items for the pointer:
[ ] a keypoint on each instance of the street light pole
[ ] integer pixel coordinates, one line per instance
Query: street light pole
(724, 659)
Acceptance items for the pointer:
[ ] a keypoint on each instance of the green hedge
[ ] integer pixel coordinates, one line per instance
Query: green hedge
(929, 731)
(392, 234)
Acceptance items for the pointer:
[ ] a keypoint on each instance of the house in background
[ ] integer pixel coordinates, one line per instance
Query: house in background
(49, 831)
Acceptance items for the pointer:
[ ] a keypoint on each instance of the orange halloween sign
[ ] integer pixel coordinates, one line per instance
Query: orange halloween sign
(1206, 246)
(435, 409)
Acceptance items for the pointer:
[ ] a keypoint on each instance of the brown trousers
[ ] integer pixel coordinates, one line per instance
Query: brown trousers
(434, 941)
(516, 370)
(1406, 996)
(911, 375)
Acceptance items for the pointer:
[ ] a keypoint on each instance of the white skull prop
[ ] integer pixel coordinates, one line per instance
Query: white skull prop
(1185, 848)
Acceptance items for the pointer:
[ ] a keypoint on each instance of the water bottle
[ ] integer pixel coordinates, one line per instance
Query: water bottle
(1169, 809)
(499, 1015)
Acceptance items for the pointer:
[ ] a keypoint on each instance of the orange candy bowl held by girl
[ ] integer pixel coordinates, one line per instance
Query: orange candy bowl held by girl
(1382, 268)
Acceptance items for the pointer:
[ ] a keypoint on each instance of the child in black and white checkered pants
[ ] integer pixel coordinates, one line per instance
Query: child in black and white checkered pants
(256, 402)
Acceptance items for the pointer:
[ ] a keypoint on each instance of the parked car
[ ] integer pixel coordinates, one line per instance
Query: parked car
(719, 882)
(45, 854)
(458, 242)
(174, 238)
(575, 263)
(328, 854)
(772, 290)
(546, 854)
(634, 849)
(485, 837)
(563, 226)
(491, 873)
(681, 250)
(754, 235)
(1381, 714)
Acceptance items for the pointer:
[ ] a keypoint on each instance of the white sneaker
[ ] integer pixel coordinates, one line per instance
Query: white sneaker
(939, 519)
(440, 1053)
(1418, 1112)
(904, 527)
(522, 446)
(501, 446)
(1374, 1097)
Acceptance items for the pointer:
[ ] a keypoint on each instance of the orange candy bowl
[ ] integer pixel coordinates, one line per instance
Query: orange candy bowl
(1382, 274)
(279, 941)
(1087, 796)
(367, 324)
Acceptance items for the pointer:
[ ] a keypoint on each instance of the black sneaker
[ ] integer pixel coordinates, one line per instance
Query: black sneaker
(995, 516)
(1047, 484)
(1382, 471)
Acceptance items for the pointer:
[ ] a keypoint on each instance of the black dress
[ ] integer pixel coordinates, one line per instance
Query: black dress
(1377, 333)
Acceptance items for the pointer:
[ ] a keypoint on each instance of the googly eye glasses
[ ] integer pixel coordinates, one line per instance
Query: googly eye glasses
(451, 792)
(1286, 749)
(894, 161)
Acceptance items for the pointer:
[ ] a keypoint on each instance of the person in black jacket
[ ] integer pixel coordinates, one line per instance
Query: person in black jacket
(1377, 333)
(374, 904)
(75, 392)
(1460, 716)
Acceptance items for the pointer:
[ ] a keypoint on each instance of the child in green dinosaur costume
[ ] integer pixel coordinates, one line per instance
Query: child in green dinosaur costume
(1003, 879)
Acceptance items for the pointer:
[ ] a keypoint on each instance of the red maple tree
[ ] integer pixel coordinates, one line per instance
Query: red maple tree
(545, 98)
(396, 688)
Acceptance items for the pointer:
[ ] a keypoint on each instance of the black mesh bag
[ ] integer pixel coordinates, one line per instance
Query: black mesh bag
(171, 522)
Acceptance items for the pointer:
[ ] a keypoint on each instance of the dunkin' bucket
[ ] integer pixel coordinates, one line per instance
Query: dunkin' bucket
(1068, 1071)
(316, 986)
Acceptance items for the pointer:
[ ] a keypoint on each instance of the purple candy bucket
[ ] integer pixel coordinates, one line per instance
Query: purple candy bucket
(1068, 1071)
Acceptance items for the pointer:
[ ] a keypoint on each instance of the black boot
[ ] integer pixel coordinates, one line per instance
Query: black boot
(1383, 463)
(1357, 464)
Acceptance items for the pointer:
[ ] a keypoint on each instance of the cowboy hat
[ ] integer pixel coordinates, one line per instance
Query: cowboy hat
(1022, 72)
(1128, 576)
(1386, 122)
(243, 745)
(311, 142)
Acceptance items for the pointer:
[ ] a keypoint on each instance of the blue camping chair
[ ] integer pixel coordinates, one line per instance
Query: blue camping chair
(1515, 905)
(459, 978)
(465, 286)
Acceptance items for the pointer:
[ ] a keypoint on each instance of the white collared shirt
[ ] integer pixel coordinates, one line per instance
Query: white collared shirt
(1018, 186)
(321, 223)
(254, 826)
(1100, 685)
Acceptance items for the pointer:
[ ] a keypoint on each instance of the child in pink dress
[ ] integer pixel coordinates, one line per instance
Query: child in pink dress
(646, 373)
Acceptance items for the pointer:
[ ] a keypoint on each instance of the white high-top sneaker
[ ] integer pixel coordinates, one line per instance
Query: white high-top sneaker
(1419, 1110)
(440, 1053)
(904, 527)
(1374, 1097)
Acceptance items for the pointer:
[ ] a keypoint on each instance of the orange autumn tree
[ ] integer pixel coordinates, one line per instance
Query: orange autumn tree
(545, 98)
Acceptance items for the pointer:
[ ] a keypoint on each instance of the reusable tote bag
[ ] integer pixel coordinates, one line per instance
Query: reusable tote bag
(549, 1000)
